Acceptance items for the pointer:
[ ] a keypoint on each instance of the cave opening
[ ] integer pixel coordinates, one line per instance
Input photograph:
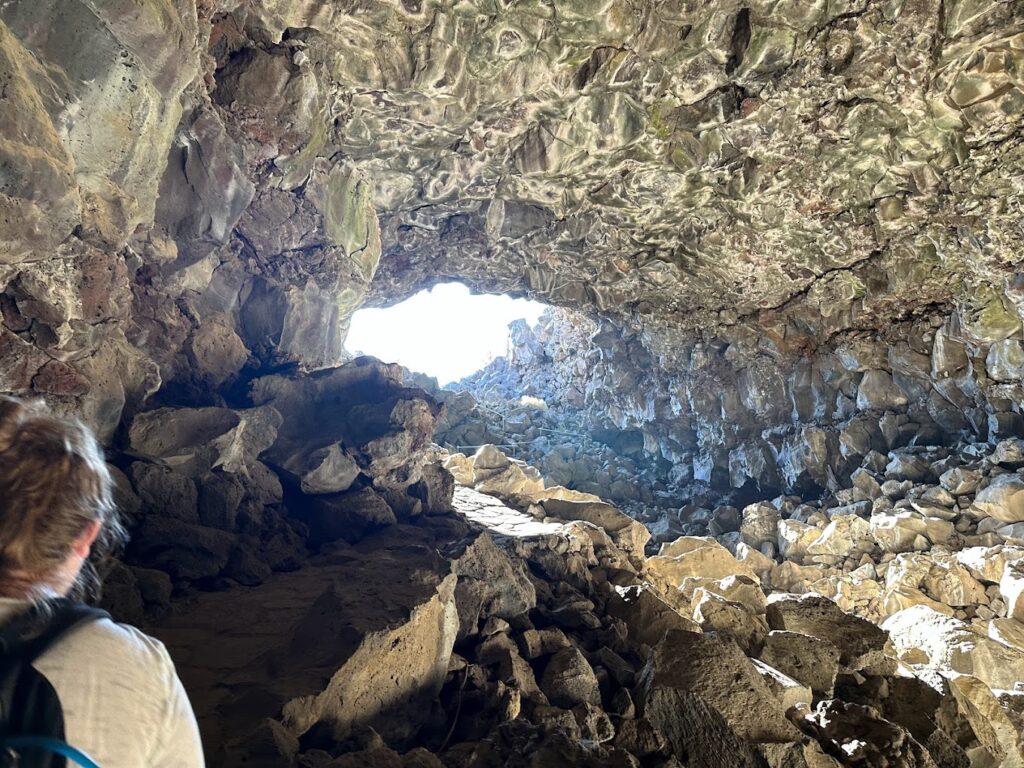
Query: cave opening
(446, 332)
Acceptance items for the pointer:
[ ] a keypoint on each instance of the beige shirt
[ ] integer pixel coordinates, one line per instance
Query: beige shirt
(123, 703)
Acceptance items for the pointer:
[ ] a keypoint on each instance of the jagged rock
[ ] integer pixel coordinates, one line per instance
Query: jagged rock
(1011, 588)
(1002, 499)
(844, 535)
(646, 615)
(194, 441)
(812, 661)
(988, 563)
(185, 550)
(496, 474)
(860, 736)
(630, 535)
(998, 731)
(1009, 453)
(909, 532)
(714, 613)
(535, 643)
(925, 637)
(692, 556)
(709, 701)
(1005, 360)
(860, 642)
(349, 516)
(794, 538)
(491, 583)
(363, 409)
(335, 650)
(569, 680)
(759, 524)
(877, 391)
(789, 692)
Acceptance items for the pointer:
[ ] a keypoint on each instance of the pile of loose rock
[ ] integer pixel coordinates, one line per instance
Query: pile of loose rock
(733, 668)
(363, 597)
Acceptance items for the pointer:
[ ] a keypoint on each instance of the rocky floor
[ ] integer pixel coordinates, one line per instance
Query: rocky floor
(525, 626)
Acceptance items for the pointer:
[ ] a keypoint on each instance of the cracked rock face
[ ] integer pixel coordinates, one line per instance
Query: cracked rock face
(782, 241)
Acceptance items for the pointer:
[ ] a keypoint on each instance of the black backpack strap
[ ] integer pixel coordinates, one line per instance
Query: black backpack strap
(28, 703)
(26, 637)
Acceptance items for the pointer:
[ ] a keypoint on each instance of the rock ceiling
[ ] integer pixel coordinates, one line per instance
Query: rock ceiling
(186, 190)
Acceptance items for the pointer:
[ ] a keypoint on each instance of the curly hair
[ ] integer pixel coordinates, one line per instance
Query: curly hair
(54, 483)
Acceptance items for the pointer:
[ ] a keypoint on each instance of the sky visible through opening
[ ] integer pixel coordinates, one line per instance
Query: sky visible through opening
(446, 332)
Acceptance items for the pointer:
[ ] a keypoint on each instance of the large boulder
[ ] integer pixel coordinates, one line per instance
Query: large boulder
(1002, 499)
(710, 702)
(362, 413)
(860, 643)
(627, 533)
(357, 639)
(926, 638)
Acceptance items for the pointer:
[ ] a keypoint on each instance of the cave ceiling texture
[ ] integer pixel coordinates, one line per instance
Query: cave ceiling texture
(783, 244)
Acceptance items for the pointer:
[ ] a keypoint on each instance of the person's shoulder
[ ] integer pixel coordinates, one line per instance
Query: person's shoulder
(104, 642)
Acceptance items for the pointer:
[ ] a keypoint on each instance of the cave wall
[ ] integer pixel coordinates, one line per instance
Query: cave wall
(196, 190)
(733, 416)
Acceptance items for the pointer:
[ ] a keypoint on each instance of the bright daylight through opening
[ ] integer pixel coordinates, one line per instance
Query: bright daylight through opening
(446, 332)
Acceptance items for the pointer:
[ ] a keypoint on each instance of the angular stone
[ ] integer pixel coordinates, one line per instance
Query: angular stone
(491, 583)
(629, 534)
(1002, 499)
(646, 615)
(877, 391)
(810, 661)
(863, 737)
(569, 680)
(789, 692)
(350, 516)
(924, 637)
(716, 614)
(844, 535)
(709, 701)
(1005, 360)
(860, 642)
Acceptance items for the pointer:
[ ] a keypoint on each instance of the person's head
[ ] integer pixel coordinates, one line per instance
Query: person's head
(56, 501)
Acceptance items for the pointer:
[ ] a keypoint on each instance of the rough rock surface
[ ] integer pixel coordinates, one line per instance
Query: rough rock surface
(783, 244)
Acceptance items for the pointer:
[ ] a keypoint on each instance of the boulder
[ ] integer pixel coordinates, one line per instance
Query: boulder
(999, 728)
(789, 692)
(351, 516)
(569, 680)
(184, 550)
(925, 638)
(710, 702)
(496, 474)
(195, 441)
(713, 613)
(860, 643)
(362, 411)
(845, 535)
(877, 391)
(909, 532)
(961, 481)
(988, 563)
(860, 736)
(759, 524)
(1002, 499)
(694, 556)
(627, 533)
(1005, 360)
(811, 661)
(490, 583)
(1011, 588)
(794, 538)
(646, 615)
